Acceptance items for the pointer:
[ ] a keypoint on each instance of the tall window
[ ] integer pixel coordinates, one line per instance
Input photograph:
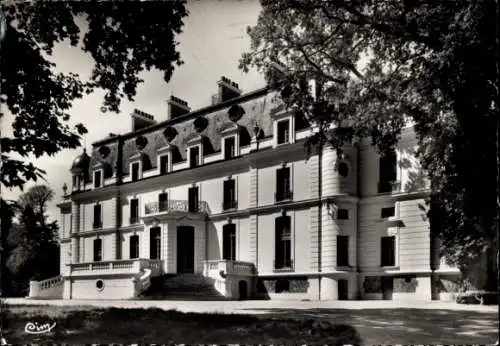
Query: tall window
(229, 201)
(135, 171)
(283, 245)
(155, 243)
(134, 246)
(387, 251)
(193, 199)
(342, 251)
(163, 164)
(387, 212)
(343, 214)
(194, 157)
(75, 181)
(97, 250)
(97, 179)
(283, 184)
(229, 147)
(134, 210)
(229, 242)
(283, 131)
(97, 216)
(387, 171)
(163, 201)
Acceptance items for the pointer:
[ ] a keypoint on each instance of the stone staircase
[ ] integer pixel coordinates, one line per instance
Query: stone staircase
(181, 287)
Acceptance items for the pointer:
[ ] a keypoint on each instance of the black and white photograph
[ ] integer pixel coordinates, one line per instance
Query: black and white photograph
(250, 172)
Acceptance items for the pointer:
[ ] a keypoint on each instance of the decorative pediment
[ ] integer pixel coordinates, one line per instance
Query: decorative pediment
(167, 149)
(229, 128)
(194, 138)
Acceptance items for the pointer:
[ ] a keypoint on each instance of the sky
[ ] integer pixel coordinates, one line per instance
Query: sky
(213, 38)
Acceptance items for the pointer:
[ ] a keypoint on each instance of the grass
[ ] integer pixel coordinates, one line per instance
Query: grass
(81, 325)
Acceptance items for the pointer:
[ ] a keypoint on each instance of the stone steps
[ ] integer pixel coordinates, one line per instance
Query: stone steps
(182, 287)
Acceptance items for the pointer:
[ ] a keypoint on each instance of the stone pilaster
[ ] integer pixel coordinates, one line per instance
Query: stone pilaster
(253, 240)
(329, 233)
(75, 253)
(314, 232)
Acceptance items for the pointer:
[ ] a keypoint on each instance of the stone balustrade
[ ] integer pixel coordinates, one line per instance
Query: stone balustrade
(176, 206)
(227, 267)
(131, 266)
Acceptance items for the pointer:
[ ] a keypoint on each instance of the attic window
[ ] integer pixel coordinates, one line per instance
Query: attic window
(141, 142)
(235, 113)
(194, 156)
(283, 131)
(97, 179)
(229, 147)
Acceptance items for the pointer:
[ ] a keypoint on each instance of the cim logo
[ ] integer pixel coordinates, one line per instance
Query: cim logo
(35, 328)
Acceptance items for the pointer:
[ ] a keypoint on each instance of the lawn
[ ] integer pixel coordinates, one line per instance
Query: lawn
(82, 325)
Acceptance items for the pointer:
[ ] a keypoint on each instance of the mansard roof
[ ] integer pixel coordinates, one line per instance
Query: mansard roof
(252, 109)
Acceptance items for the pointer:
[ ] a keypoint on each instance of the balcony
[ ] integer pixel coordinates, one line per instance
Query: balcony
(222, 268)
(285, 265)
(389, 186)
(230, 205)
(173, 206)
(283, 196)
(133, 266)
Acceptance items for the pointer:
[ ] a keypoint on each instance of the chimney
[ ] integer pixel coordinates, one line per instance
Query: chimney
(141, 120)
(227, 90)
(177, 107)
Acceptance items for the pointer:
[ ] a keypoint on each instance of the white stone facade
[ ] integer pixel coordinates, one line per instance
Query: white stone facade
(324, 203)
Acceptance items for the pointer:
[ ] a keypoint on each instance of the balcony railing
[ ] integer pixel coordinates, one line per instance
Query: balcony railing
(131, 266)
(389, 186)
(285, 265)
(176, 206)
(226, 267)
(97, 224)
(283, 196)
(229, 205)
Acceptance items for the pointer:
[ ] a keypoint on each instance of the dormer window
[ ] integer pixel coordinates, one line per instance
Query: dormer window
(283, 128)
(136, 170)
(194, 156)
(164, 164)
(229, 147)
(231, 140)
(98, 178)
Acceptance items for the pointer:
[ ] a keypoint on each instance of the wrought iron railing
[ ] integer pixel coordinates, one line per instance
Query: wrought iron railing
(229, 205)
(283, 196)
(176, 205)
(284, 265)
(389, 186)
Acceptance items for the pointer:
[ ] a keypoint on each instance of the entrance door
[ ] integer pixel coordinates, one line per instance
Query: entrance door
(185, 249)
(155, 243)
(342, 289)
(387, 287)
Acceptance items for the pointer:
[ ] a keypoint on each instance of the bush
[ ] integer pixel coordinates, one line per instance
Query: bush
(478, 297)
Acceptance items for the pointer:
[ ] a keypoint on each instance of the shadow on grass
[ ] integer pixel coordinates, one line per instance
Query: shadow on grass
(155, 325)
(404, 325)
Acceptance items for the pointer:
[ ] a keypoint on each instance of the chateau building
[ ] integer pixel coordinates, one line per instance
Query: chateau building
(228, 194)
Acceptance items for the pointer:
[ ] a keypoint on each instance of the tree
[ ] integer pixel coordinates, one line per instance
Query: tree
(123, 38)
(428, 62)
(31, 245)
